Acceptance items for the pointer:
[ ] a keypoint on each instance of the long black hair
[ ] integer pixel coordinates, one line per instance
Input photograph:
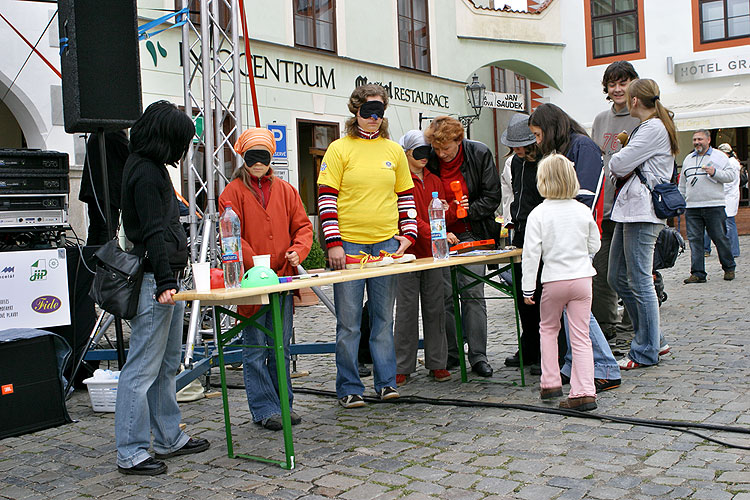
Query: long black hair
(162, 133)
(557, 128)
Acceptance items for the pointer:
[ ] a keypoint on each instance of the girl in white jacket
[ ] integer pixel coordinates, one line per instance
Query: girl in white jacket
(650, 149)
(562, 233)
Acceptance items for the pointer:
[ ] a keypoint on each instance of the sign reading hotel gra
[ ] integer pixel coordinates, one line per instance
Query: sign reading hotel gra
(501, 100)
(403, 94)
(711, 68)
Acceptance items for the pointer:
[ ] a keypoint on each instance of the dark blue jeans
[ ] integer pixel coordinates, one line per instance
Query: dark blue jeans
(713, 221)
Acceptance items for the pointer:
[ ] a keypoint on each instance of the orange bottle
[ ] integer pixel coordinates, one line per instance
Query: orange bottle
(458, 193)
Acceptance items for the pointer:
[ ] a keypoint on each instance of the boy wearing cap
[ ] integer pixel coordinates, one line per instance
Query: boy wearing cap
(274, 222)
(424, 286)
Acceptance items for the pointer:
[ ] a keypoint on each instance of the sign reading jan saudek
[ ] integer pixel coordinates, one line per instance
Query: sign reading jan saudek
(502, 100)
(711, 68)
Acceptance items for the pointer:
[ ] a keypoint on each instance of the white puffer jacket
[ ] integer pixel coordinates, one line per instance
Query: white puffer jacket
(649, 149)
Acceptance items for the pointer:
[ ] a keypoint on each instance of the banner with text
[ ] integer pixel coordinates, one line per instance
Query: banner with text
(501, 100)
(34, 289)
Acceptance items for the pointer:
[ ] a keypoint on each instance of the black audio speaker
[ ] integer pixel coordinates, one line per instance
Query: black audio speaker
(101, 75)
(31, 392)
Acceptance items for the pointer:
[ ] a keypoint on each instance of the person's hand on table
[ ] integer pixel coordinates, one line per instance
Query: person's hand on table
(293, 258)
(166, 297)
(337, 258)
(452, 239)
(404, 243)
(528, 301)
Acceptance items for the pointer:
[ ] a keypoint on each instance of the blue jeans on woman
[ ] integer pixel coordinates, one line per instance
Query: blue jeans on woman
(605, 364)
(348, 299)
(734, 239)
(259, 364)
(146, 391)
(631, 259)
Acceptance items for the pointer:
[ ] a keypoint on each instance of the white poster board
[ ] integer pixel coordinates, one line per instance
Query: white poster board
(34, 289)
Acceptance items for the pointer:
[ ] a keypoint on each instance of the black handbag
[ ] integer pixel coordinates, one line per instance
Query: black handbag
(117, 283)
(666, 198)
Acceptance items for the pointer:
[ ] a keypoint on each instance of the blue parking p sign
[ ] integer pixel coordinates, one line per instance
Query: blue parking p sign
(279, 135)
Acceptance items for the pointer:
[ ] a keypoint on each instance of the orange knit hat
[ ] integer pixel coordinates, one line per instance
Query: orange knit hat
(255, 137)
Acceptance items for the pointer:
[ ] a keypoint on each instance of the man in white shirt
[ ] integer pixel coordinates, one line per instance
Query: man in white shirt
(704, 173)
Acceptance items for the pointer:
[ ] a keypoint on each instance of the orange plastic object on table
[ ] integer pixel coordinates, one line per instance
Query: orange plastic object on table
(458, 193)
(468, 246)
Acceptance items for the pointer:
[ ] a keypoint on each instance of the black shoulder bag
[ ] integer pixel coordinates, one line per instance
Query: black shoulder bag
(117, 283)
(666, 198)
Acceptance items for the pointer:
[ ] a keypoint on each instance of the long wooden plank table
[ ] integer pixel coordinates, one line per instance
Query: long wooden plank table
(269, 297)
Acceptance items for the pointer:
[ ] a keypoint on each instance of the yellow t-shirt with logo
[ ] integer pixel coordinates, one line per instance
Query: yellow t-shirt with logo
(367, 173)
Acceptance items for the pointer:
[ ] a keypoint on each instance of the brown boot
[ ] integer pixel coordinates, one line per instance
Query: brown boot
(584, 403)
(550, 392)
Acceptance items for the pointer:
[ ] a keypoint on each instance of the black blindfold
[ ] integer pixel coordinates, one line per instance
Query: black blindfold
(372, 109)
(421, 152)
(253, 156)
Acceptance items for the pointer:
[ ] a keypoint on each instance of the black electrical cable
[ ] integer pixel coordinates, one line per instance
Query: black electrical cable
(659, 424)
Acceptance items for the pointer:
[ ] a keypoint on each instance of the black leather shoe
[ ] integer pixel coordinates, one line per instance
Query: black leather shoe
(194, 445)
(482, 368)
(452, 363)
(513, 360)
(363, 370)
(148, 467)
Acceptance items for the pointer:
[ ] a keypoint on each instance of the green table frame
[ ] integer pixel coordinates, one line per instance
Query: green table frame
(225, 339)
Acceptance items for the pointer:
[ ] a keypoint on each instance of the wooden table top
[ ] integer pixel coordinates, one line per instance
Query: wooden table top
(259, 295)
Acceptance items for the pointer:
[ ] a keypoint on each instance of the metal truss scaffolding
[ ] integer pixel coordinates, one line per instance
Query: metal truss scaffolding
(211, 80)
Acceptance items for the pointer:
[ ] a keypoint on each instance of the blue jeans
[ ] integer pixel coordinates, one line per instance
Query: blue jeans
(146, 391)
(734, 240)
(711, 220)
(605, 364)
(259, 364)
(348, 299)
(631, 259)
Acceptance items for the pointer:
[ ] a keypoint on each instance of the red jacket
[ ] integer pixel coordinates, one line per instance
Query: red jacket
(280, 227)
(423, 190)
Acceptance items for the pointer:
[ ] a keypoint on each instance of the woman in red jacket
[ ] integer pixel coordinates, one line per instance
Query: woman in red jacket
(273, 222)
(421, 286)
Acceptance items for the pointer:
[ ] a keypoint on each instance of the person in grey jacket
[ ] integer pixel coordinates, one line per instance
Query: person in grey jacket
(651, 149)
(704, 173)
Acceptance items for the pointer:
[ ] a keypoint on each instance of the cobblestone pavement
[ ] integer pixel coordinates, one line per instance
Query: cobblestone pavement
(388, 451)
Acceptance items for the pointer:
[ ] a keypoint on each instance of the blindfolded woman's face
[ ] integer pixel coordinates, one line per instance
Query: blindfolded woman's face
(373, 114)
(257, 161)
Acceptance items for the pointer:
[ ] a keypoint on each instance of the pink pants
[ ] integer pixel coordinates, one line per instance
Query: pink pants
(575, 295)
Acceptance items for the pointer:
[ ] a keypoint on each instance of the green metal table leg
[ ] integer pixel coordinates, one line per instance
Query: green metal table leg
(278, 347)
(222, 370)
(459, 324)
(518, 324)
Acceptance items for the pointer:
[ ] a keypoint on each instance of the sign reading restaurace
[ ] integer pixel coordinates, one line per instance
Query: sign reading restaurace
(502, 100)
(711, 68)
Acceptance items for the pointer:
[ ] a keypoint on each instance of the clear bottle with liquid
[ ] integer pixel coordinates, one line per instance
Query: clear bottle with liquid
(231, 247)
(437, 228)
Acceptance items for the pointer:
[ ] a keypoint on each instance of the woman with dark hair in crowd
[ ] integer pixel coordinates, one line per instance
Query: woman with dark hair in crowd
(454, 158)
(146, 396)
(368, 215)
(650, 149)
(556, 131)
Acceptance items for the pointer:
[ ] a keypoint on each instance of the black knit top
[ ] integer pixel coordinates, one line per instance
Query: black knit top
(150, 215)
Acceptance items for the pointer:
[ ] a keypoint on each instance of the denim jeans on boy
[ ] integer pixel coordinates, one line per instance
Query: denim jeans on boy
(605, 364)
(734, 240)
(259, 364)
(146, 395)
(631, 259)
(348, 299)
(711, 220)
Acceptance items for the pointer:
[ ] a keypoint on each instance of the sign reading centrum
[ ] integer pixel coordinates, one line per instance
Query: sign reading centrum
(711, 68)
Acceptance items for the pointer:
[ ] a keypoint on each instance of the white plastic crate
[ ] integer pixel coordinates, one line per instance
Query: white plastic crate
(103, 394)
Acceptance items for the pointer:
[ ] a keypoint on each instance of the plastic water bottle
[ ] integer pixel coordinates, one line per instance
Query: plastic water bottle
(437, 228)
(231, 248)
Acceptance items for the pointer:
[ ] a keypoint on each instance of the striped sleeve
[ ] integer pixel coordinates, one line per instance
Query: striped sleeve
(328, 207)
(407, 215)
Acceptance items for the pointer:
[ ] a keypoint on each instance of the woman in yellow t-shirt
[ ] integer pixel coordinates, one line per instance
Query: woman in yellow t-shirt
(366, 207)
